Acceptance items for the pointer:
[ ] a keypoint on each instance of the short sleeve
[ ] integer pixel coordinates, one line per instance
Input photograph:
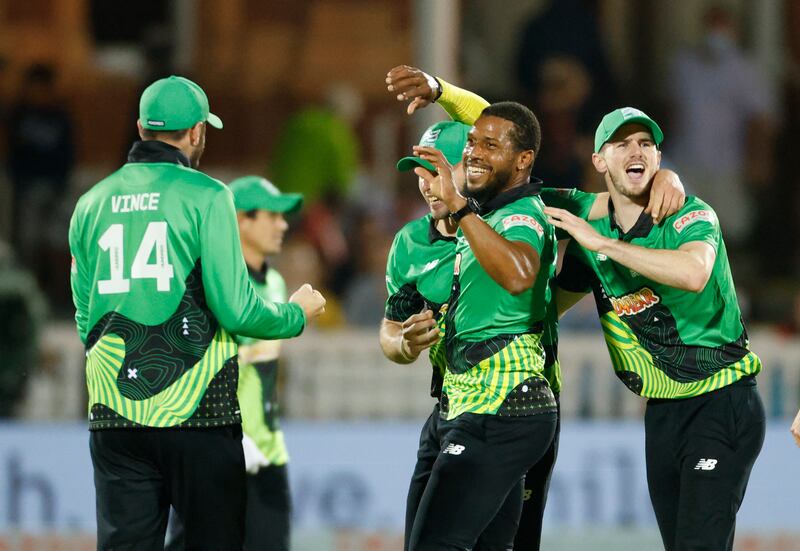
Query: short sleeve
(403, 298)
(394, 277)
(527, 227)
(698, 222)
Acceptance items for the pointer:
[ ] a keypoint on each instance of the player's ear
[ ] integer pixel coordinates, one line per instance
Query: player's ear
(599, 163)
(525, 160)
(196, 134)
(140, 127)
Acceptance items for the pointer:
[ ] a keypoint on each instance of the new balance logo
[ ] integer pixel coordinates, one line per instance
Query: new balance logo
(454, 449)
(430, 265)
(705, 465)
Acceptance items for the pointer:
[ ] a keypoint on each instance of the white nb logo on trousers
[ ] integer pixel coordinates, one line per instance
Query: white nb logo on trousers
(454, 449)
(706, 465)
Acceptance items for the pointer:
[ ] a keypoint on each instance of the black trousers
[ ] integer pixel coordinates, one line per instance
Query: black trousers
(700, 452)
(433, 434)
(537, 484)
(476, 477)
(268, 510)
(139, 473)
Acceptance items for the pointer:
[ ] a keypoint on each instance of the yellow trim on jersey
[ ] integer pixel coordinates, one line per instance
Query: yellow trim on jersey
(628, 355)
(170, 407)
(484, 387)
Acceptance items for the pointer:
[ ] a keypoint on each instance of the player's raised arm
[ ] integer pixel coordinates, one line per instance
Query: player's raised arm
(421, 89)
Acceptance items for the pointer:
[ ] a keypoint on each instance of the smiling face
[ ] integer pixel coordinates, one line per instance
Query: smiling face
(491, 159)
(439, 210)
(629, 161)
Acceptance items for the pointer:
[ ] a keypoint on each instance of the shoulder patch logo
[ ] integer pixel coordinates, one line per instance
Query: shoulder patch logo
(691, 217)
(635, 303)
(523, 220)
(430, 265)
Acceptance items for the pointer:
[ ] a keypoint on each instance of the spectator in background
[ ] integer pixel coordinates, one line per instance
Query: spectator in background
(564, 88)
(723, 113)
(563, 70)
(40, 160)
(366, 292)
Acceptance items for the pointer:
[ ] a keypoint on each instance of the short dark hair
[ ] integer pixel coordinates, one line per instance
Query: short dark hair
(172, 135)
(527, 133)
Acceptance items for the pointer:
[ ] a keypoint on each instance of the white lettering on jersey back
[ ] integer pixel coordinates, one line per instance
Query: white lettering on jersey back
(134, 202)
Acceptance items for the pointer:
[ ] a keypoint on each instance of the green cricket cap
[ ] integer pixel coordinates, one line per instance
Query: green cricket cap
(257, 193)
(175, 103)
(449, 137)
(625, 115)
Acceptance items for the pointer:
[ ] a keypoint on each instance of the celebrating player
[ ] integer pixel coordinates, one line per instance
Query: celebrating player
(420, 89)
(503, 409)
(673, 328)
(160, 285)
(419, 275)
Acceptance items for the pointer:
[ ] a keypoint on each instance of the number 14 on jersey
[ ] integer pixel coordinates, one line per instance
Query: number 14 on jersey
(154, 239)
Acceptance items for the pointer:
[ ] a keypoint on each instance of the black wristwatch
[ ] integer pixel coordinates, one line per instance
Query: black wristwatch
(462, 212)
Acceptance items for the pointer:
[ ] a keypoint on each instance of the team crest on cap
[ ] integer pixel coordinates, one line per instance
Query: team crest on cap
(629, 112)
(430, 137)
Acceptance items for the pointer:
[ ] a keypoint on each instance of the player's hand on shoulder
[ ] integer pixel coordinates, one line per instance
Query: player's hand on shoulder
(580, 230)
(667, 195)
(412, 85)
(420, 331)
(310, 300)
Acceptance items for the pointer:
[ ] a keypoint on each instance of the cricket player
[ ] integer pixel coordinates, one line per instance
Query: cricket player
(420, 90)
(673, 327)
(260, 210)
(494, 388)
(160, 286)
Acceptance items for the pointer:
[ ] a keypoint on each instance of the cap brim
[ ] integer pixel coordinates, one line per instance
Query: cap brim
(214, 121)
(409, 163)
(285, 203)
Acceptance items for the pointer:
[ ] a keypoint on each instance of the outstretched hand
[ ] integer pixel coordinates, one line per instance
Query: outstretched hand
(580, 230)
(412, 85)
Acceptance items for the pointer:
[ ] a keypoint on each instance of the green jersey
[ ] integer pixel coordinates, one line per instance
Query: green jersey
(419, 274)
(665, 342)
(258, 377)
(495, 353)
(580, 204)
(159, 285)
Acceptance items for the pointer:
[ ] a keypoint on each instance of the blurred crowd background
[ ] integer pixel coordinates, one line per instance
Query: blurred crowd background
(299, 84)
(300, 87)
